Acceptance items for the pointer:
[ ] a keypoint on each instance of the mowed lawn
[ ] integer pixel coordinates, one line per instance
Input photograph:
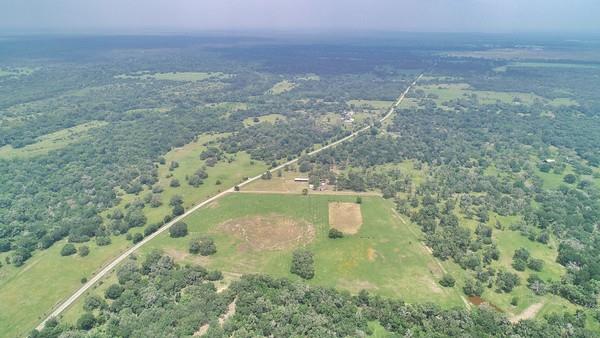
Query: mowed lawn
(384, 257)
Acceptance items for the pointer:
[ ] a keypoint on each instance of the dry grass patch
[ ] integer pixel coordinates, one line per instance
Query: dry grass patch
(272, 232)
(346, 217)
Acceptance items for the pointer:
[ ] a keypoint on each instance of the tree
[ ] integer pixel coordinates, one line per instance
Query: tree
(473, 288)
(103, 240)
(266, 175)
(570, 178)
(447, 281)
(304, 191)
(203, 246)
(114, 291)
(174, 183)
(84, 250)
(506, 281)
(335, 233)
(93, 302)
(522, 254)
(358, 200)
(303, 264)
(137, 237)
(68, 250)
(519, 264)
(178, 229)
(178, 210)
(535, 264)
(86, 321)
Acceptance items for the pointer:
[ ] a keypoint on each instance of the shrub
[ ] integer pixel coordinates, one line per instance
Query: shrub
(335, 233)
(93, 302)
(137, 237)
(519, 264)
(214, 275)
(303, 264)
(473, 288)
(358, 200)
(203, 246)
(68, 250)
(103, 240)
(535, 264)
(86, 321)
(178, 229)
(447, 281)
(570, 178)
(84, 250)
(521, 254)
(114, 291)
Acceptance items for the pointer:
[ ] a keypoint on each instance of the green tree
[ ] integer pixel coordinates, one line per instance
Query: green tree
(303, 264)
(68, 250)
(335, 233)
(178, 229)
(447, 281)
(84, 250)
(86, 321)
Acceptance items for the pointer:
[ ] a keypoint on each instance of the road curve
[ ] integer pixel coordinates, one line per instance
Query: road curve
(64, 305)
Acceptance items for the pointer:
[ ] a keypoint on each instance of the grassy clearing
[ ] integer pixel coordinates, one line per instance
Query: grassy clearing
(385, 256)
(371, 104)
(554, 65)
(53, 141)
(175, 76)
(271, 118)
(31, 291)
(281, 87)
(448, 92)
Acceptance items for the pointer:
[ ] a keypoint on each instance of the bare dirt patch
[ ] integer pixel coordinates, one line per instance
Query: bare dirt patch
(371, 254)
(345, 217)
(528, 313)
(271, 232)
(179, 255)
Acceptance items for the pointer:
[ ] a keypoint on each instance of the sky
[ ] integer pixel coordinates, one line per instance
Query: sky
(502, 16)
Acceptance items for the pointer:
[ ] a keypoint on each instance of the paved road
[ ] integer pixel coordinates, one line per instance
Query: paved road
(63, 306)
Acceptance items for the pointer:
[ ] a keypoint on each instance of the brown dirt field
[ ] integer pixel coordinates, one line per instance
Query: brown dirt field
(346, 217)
(271, 232)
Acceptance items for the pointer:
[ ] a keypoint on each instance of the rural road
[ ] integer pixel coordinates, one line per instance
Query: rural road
(106, 270)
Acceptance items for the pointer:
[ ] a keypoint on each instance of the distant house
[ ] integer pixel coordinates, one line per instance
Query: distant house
(347, 116)
(549, 160)
(301, 179)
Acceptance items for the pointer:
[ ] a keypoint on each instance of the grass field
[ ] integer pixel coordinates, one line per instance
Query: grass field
(264, 118)
(385, 256)
(30, 292)
(281, 87)
(447, 92)
(175, 76)
(49, 142)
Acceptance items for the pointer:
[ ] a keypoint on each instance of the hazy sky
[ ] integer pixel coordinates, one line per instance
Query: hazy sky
(391, 15)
